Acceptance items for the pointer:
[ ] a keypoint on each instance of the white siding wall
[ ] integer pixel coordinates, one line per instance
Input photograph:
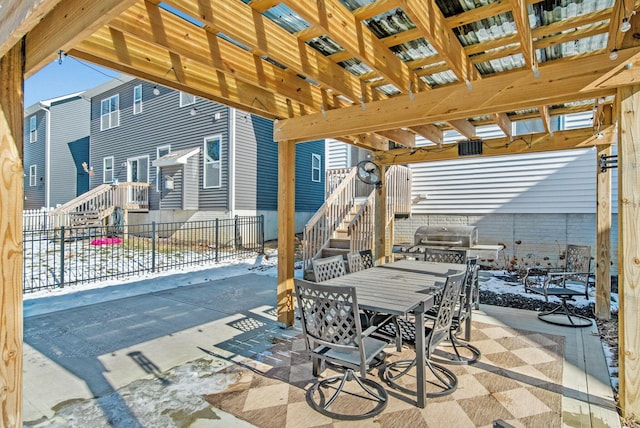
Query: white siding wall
(337, 154)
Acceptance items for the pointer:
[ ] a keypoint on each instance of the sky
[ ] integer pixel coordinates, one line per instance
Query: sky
(72, 75)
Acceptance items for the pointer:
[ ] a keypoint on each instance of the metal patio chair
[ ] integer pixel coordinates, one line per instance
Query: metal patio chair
(445, 256)
(564, 283)
(439, 330)
(462, 316)
(328, 267)
(360, 260)
(331, 326)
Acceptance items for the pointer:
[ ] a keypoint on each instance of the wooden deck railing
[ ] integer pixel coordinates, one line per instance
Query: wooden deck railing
(340, 203)
(320, 228)
(101, 201)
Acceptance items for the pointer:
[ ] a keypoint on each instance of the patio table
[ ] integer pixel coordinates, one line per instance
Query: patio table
(401, 288)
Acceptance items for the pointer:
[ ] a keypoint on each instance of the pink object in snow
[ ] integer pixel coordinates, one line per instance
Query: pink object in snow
(106, 241)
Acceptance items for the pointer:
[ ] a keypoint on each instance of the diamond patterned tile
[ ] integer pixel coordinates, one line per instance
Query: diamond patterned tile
(518, 379)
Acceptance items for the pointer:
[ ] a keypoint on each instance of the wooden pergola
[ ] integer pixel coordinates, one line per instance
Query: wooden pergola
(337, 77)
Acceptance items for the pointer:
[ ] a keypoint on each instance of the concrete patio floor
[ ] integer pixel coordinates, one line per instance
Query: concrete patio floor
(148, 360)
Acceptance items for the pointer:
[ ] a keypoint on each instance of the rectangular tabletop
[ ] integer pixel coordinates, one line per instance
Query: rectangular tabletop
(397, 288)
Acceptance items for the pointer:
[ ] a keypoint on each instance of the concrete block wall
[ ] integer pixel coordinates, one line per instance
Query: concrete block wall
(529, 239)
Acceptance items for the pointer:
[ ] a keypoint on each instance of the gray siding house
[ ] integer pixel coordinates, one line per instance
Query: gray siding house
(202, 160)
(56, 144)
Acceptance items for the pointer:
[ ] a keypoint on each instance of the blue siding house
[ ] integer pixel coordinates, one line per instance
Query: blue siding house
(202, 160)
(56, 144)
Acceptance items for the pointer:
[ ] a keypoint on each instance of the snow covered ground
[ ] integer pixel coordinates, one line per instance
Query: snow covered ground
(50, 300)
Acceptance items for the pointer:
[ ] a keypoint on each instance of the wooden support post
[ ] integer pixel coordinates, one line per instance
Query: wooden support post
(286, 230)
(629, 249)
(11, 204)
(603, 228)
(380, 220)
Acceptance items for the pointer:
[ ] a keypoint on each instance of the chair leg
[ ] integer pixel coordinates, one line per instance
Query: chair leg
(446, 379)
(458, 359)
(374, 392)
(572, 319)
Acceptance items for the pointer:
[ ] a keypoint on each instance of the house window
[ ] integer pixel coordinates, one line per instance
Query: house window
(161, 151)
(137, 99)
(107, 170)
(110, 112)
(33, 171)
(212, 162)
(186, 99)
(315, 168)
(33, 129)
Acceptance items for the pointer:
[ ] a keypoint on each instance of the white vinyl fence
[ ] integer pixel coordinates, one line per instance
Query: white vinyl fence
(34, 220)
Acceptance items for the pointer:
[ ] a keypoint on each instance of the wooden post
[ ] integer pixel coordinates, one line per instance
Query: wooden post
(286, 230)
(380, 220)
(11, 204)
(603, 231)
(629, 249)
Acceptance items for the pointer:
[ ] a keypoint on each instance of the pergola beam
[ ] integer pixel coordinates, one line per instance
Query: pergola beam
(11, 251)
(18, 17)
(561, 81)
(67, 24)
(522, 144)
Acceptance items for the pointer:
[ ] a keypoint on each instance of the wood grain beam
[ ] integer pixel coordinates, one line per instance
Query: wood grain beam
(264, 37)
(521, 19)
(355, 37)
(151, 24)
(401, 137)
(374, 8)
(561, 81)
(546, 118)
(18, 17)
(286, 231)
(120, 51)
(463, 126)
(430, 132)
(629, 250)
(263, 5)
(68, 23)
(11, 257)
(504, 123)
(522, 144)
(621, 9)
(429, 18)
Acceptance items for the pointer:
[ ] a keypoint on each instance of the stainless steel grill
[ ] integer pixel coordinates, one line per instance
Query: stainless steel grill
(448, 237)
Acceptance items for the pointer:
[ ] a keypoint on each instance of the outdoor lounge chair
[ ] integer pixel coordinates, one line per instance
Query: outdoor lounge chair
(565, 283)
(446, 380)
(331, 326)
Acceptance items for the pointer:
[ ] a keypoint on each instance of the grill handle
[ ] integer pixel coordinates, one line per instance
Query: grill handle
(441, 243)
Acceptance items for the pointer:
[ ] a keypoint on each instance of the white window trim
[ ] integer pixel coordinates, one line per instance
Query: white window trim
(33, 129)
(184, 104)
(104, 169)
(315, 156)
(138, 158)
(158, 178)
(111, 125)
(33, 175)
(204, 162)
(137, 101)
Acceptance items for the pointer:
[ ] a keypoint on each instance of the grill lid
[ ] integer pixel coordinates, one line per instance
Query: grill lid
(452, 236)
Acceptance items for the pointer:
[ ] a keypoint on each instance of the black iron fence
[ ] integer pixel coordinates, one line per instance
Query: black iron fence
(70, 255)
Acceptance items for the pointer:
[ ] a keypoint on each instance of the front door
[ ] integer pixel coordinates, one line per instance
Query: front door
(137, 172)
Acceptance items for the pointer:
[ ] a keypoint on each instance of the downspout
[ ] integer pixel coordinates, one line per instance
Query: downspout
(232, 162)
(47, 158)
